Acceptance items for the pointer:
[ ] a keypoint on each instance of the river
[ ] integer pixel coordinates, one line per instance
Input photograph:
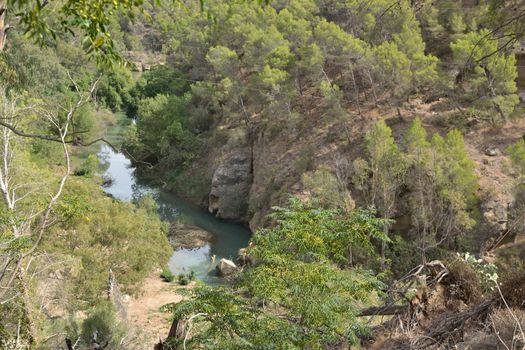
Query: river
(227, 237)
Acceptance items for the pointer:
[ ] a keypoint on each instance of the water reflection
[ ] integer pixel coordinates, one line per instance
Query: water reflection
(227, 237)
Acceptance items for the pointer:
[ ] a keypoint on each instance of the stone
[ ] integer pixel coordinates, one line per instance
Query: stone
(226, 267)
(243, 258)
(492, 151)
(495, 213)
(230, 187)
(188, 236)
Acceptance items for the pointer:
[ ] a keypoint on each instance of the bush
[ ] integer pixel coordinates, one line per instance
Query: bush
(104, 323)
(487, 272)
(505, 323)
(466, 278)
(167, 275)
(513, 289)
(185, 279)
(404, 254)
(89, 167)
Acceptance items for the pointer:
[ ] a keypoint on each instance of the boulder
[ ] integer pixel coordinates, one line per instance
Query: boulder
(495, 213)
(492, 151)
(230, 187)
(188, 236)
(226, 267)
(243, 258)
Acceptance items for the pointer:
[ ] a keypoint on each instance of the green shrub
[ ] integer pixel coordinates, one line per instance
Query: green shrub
(487, 273)
(103, 322)
(167, 275)
(185, 279)
(89, 167)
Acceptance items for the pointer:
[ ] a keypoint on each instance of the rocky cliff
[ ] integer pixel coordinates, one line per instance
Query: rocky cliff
(259, 167)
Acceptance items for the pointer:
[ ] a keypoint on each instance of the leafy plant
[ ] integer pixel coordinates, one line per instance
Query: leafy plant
(168, 276)
(301, 293)
(487, 272)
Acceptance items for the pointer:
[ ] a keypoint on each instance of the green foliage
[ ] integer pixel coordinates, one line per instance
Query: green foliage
(437, 174)
(329, 191)
(386, 166)
(88, 17)
(306, 232)
(185, 278)
(148, 203)
(229, 321)
(224, 61)
(168, 121)
(395, 64)
(36, 69)
(159, 80)
(113, 88)
(402, 253)
(167, 275)
(490, 74)
(273, 61)
(162, 120)
(487, 272)
(517, 155)
(101, 322)
(442, 21)
(302, 273)
(103, 234)
(443, 185)
(89, 167)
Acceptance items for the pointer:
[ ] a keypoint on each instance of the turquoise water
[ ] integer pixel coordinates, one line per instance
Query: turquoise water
(227, 239)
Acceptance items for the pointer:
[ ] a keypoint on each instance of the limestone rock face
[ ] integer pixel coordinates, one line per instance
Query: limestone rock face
(226, 267)
(496, 214)
(230, 186)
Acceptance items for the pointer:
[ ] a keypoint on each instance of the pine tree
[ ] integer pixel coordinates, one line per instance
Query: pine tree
(517, 155)
(442, 186)
(489, 75)
(382, 176)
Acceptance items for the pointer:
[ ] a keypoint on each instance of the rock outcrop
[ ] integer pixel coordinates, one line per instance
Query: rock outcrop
(226, 268)
(188, 236)
(230, 186)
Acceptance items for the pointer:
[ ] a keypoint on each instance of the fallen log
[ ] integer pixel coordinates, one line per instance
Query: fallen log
(451, 323)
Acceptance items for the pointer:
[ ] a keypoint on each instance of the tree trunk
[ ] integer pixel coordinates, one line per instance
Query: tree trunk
(373, 87)
(383, 248)
(350, 256)
(356, 88)
(3, 27)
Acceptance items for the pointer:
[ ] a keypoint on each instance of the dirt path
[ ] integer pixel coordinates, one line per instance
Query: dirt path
(144, 313)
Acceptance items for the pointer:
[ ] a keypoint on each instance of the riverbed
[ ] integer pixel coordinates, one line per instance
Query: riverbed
(227, 238)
